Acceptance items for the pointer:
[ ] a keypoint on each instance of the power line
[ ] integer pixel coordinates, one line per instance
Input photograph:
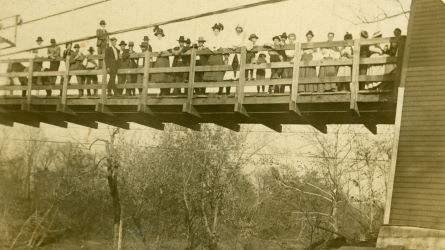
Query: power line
(182, 19)
(200, 150)
(55, 14)
(245, 131)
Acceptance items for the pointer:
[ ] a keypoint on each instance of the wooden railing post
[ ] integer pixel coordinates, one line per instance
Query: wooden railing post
(143, 98)
(29, 86)
(103, 95)
(188, 107)
(295, 80)
(355, 74)
(66, 79)
(239, 96)
(400, 54)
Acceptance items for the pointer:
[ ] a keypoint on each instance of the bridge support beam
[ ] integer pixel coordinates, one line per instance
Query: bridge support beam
(229, 125)
(274, 126)
(147, 119)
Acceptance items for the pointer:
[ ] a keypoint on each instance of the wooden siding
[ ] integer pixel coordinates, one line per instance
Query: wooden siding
(418, 197)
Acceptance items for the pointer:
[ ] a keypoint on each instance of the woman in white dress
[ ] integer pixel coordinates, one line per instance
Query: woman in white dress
(328, 53)
(160, 45)
(345, 53)
(311, 71)
(376, 51)
(215, 43)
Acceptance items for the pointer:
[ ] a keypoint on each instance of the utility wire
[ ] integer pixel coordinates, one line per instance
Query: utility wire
(55, 14)
(182, 19)
(198, 150)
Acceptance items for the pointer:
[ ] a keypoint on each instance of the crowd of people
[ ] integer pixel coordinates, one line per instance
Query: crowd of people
(119, 56)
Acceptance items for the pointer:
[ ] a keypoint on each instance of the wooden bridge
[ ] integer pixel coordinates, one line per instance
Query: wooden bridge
(354, 105)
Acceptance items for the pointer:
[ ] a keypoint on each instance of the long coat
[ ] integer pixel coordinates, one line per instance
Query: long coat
(110, 60)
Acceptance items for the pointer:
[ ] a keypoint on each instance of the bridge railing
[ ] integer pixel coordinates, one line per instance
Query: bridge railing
(353, 80)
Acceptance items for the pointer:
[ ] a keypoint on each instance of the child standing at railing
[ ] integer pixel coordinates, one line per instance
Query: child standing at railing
(261, 73)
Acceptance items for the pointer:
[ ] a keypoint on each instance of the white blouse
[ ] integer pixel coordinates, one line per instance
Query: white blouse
(238, 40)
(159, 45)
(216, 42)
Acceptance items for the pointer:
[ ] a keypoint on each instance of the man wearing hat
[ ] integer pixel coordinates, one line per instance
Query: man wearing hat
(76, 60)
(131, 78)
(39, 41)
(124, 63)
(141, 62)
(112, 64)
(283, 38)
(102, 39)
(201, 60)
(179, 62)
(364, 52)
(39, 54)
(250, 56)
(288, 72)
(91, 64)
(53, 54)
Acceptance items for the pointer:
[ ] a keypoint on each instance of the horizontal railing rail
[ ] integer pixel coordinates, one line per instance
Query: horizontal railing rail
(296, 64)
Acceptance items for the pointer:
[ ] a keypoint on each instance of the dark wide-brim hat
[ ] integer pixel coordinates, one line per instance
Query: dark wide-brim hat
(130, 44)
(284, 35)
(76, 46)
(113, 39)
(181, 39)
(146, 38)
(39, 39)
(91, 49)
(52, 40)
(201, 39)
(122, 43)
(253, 36)
(188, 41)
(364, 34)
(144, 45)
(276, 37)
(102, 22)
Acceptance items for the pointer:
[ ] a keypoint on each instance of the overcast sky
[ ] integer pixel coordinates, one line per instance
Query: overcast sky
(296, 16)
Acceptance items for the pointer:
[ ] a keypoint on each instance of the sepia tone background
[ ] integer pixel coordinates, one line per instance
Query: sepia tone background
(296, 148)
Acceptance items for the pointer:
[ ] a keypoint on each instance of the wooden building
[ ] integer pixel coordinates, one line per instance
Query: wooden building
(415, 215)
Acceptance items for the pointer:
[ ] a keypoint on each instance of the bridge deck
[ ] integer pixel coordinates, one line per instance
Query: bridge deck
(351, 106)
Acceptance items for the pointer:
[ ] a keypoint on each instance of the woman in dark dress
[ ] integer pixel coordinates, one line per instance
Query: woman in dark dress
(307, 72)
(215, 44)
(159, 45)
(276, 55)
